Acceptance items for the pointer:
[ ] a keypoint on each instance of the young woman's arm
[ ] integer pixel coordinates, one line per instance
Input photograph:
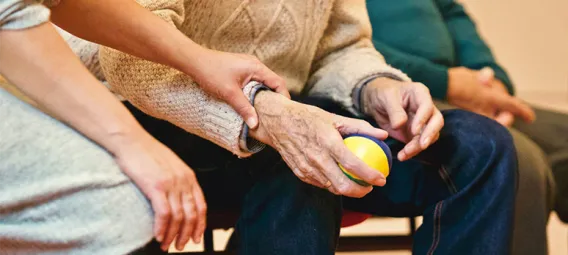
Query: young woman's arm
(39, 63)
(128, 27)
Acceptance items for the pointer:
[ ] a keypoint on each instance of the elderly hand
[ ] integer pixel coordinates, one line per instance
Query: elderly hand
(310, 142)
(406, 111)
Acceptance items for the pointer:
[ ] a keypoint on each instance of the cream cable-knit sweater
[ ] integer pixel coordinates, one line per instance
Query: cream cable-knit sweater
(321, 47)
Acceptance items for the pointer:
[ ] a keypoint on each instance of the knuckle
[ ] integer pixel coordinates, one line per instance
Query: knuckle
(202, 211)
(374, 176)
(344, 188)
(177, 217)
(349, 164)
(305, 179)
(315, 160)
(164, 213)
(164, 183)
(180, 175)
(304, 167)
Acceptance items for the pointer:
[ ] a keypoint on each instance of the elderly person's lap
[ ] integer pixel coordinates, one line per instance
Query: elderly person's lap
(464, 184)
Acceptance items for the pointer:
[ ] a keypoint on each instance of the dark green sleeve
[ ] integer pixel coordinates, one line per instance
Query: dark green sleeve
(471, 51)
(419, 69)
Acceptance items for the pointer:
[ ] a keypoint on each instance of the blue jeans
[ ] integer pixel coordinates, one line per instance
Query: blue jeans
(464, 186)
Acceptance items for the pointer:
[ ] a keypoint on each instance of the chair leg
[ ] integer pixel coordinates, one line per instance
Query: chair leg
(412, 225)
(208, 241)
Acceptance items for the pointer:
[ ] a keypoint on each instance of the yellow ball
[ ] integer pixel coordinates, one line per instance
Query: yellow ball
(372, 151)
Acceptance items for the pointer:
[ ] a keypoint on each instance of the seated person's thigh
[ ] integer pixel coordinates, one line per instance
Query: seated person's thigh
(61, 193)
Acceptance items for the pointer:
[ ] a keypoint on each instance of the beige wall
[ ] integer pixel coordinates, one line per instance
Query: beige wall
(530, 38)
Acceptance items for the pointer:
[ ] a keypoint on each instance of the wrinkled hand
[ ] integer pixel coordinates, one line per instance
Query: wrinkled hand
(223, 75)
(170, 185)
(310, 142)
(465, 90)
(406, 111)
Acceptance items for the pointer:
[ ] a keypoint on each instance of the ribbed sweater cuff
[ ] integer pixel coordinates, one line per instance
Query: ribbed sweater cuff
(247, 143)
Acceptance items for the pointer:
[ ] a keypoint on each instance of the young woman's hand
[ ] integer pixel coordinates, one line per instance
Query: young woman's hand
(180, 210)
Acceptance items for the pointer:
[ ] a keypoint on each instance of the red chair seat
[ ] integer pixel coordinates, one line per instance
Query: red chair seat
(353, 218)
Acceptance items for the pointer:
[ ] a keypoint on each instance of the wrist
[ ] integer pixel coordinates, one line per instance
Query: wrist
(269, 106)
(369, 90)
(120, 141)
(190, 58)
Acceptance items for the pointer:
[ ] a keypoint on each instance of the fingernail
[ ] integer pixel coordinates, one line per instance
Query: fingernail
(160, 238)
(382, 182)
(251, 122)
(426, 142)
(197, 240)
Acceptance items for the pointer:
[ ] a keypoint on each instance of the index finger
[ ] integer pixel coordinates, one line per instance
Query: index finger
(356, 166)
(341, 183)
(424, 112)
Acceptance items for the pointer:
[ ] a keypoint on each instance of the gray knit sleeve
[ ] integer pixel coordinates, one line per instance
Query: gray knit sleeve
(21, 14)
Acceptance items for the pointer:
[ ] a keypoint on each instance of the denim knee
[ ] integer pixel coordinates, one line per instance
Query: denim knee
(483, 142)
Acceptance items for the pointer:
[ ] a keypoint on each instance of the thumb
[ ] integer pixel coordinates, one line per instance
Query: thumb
(486, 75)
(239, 102)
(271, 80)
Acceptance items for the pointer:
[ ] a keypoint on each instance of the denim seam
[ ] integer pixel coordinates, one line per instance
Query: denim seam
(446, 178)
(437, 227)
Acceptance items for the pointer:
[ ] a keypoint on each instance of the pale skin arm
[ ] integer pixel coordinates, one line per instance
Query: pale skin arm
(126, 26)
(45, 69)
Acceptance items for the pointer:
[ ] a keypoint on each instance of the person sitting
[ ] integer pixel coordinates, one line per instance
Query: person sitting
(437, 43)
(90, 180)
(461, 177)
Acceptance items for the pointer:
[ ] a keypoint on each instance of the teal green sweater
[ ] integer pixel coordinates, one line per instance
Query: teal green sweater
(424, 38)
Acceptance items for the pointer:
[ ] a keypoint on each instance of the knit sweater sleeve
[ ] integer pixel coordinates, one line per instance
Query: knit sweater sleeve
(168, 94)
(20, 14)
(433, 75)
(346, 58)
